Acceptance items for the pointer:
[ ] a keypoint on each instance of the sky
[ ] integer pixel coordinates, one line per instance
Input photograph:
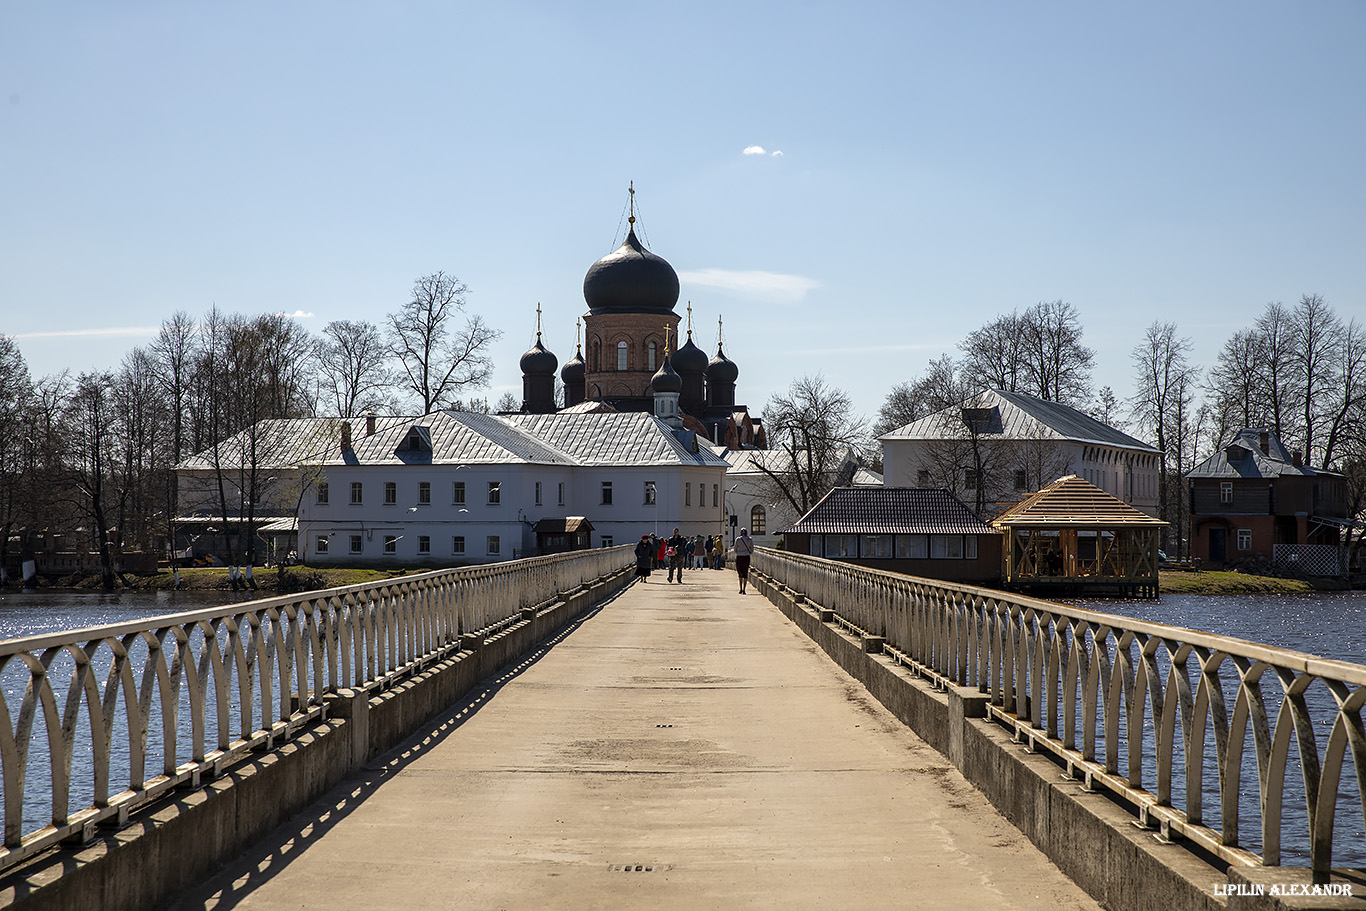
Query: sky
(851, 188)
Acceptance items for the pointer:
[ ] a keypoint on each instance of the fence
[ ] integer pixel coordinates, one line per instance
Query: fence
(1130, 707)
(1311, 559)
(164, 702)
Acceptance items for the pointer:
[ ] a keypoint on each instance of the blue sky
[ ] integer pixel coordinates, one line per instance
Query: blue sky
(941, 163)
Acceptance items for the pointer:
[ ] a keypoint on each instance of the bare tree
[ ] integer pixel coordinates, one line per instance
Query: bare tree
(1107, 408)
(440, 360)
(353, 366)
(1345, 421)
(1233, 386)
(813, 424)
(1318, 336)
(994, 356)
(1275, 371)
(936, 389)
(1038, 352)
(92, 460)
(1164, 393)
(16, 388)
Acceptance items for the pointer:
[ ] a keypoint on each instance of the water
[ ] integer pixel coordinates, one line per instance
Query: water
(39, 612)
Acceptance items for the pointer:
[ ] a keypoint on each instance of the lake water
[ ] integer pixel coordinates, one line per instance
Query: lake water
(44, 611)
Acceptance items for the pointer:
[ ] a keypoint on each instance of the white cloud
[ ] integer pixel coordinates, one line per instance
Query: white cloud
(772, 286)
(297, 314)
(107, 332)
(754, 150)
(777, 152)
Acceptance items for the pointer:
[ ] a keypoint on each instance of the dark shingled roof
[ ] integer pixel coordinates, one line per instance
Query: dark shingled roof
(1249, 461)
(888, 511)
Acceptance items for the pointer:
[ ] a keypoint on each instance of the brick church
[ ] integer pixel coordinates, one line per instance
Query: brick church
(630, 332)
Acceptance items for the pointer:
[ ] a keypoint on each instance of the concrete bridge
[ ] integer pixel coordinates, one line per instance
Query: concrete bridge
(564, 738)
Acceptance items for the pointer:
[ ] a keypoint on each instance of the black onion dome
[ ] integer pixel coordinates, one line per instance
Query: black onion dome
(722, 369)
(574, 369)
(666, 379)
(690, 359)
(538, 361)
(631, 279)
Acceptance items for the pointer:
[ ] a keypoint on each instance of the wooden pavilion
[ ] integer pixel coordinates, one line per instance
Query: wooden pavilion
(1071, 537)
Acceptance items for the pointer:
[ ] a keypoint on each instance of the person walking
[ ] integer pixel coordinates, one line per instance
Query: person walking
(709, 550)
(661, 549)
(644, 557)
(689, 545)
(719, 553)
(744, 549)
(675, 554)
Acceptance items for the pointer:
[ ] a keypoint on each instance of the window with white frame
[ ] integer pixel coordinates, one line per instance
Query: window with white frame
(946, 547)
(606, 540)
(321, 546)
(458, 545)
(355, 544)
(355, 493)
(758, 520)
(391, 544)
(649, 493)
(876, 546)
(816, 546)
(1245, 539)
(424, 493)
(841, 545)
(458, 493)
(654, 351)
(424, 544)
(621, 355)
(1225, 491)
(912, 547)
(494, 546)
(495, 492)
(321, 499)
(606, 493)
(390, 493)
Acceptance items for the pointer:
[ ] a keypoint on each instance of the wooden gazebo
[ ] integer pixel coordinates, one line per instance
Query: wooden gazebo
(1074, 538)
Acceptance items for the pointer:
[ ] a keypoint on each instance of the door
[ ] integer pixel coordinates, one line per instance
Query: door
(1217, 543)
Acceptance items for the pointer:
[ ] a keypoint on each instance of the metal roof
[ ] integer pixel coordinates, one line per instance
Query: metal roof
(279, 443)
(890, 510)
(1021, 417)
(1251, 461)
(1070, 502)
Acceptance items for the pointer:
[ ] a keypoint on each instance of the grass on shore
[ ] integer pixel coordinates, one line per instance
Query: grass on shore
(1177, 582)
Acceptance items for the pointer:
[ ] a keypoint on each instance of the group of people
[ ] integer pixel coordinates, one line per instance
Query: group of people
(679, 552)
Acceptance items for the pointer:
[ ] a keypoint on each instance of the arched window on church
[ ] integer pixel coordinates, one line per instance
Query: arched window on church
(653, 349)
(757, 520)
(621, 355)
(597, 355)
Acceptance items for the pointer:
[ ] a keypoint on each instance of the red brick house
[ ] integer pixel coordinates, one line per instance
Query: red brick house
(1255, 498)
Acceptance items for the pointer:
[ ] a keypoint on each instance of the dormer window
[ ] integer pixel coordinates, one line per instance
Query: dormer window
(982, 420)
(417, 439)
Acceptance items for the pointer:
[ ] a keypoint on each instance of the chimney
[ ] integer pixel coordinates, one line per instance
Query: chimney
(346, 436)
(369, 423)
(1264, 440)
(1296, 458)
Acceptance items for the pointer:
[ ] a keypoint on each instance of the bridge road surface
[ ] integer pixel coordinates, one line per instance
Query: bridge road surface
(683, 729)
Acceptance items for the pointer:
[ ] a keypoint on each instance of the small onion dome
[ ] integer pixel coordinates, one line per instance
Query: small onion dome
(722, 369)
(631, 279)
(538, 361)
(666, 379)
(690, 359)
(574, 369)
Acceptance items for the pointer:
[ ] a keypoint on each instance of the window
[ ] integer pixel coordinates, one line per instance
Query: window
(355, 544)
(494, 545)
(390, 493)
(687, 494)
(561, 493)
(1225, 491)
(322, 493)
(649, 493)
(321, 546)
(458, 545)
(606, 493)
(922, 478)
(458, 493)
(946, 547)
(390, 544)
(715, 495)
(495, 492)
(758, 520)
(621, 355)
(1021, 479)
(876, 546)
(606, 540)
(816, 547)
(424, 544)
(1245, 539)
(912, 547)
(653, 349)
(538, 493)
(970, 479)
(424, 493)
(355, 493)
(969, 547)
(841, 545)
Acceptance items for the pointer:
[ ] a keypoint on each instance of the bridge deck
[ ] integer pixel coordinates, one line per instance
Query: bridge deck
(682, 728)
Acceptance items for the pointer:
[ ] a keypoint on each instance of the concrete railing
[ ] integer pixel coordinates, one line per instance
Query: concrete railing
(111, 718)
(1081, 685)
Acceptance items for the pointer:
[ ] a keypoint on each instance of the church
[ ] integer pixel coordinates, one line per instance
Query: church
(630, 333)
